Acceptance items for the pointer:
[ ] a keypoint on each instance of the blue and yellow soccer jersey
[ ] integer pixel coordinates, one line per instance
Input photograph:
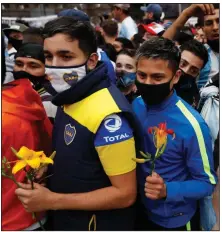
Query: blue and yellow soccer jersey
(115, 145)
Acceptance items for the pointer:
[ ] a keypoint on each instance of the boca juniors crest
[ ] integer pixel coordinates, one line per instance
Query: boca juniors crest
(69, 133)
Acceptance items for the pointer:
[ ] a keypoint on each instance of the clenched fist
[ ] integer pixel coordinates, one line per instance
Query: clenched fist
(155, 187)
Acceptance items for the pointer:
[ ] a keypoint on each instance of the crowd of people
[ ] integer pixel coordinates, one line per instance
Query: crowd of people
(132, 111)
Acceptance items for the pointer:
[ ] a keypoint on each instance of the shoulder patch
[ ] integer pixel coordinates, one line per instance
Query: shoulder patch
(114, 128)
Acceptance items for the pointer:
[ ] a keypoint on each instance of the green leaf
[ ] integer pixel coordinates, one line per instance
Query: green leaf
(145, 155)
(52, 156)
(4, 160)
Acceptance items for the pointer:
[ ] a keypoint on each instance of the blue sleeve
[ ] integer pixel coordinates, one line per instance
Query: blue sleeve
(114, 129)
(199, 161)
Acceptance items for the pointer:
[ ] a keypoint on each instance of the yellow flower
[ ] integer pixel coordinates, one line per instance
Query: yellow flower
(30, 158)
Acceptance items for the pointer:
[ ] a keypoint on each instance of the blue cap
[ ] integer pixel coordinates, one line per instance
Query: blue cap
(75, 14)
(156, 9)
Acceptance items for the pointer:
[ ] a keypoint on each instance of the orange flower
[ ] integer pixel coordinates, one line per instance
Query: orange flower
(160, 135)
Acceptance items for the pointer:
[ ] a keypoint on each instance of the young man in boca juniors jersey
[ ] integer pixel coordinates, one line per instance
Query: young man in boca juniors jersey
(93, 185)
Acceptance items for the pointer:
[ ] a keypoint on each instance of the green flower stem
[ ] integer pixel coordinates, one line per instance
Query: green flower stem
(13, 179)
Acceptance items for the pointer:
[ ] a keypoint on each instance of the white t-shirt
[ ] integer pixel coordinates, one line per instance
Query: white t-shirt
(128, 28)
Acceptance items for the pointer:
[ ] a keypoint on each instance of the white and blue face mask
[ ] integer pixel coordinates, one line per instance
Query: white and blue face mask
(62, 78)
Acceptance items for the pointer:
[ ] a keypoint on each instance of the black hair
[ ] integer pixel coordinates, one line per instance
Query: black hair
(126, 43)
(76, 30)
(22, 22)
(196, 48)
(33, 35)
(110, 27)
(99, 39)
(184, 35)
(110, 51)
(137, 40)
(128, 52)
(160, 48)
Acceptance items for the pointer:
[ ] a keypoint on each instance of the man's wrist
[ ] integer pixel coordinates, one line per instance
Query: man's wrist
(53, 201)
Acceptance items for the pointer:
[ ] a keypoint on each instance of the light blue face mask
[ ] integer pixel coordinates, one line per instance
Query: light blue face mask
(125, 79)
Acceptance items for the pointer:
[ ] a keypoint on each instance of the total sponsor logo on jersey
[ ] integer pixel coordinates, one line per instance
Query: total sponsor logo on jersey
(114, 123)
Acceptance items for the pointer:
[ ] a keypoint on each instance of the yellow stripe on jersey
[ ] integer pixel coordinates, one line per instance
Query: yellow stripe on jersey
(92, 110)
(200, 139)
(116, 158)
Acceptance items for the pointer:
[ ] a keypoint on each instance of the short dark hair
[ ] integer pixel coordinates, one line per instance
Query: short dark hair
(128, 52)
(160, 48)
(110, 51)
(185, 34)
(110, 27)
(76, 30)
(125, 42)
(197, 49)
(33, 35)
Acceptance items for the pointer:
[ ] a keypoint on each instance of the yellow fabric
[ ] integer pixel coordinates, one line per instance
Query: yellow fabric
(200, 139)
(92, 110)
(116, 158)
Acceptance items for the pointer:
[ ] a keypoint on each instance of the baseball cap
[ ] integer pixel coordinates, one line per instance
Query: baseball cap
(122, 6)
(15, 27)
(156, 9)
(31, 50)
(75, 14)
(153, 28)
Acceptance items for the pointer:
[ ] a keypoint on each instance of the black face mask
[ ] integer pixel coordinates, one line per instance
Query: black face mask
(15, 43)
(214, 44)
(153, 94)
(186, 82)
(37, 81)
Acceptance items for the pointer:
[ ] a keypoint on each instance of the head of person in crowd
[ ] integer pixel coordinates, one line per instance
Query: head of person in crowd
(30, 64)
(152, 13)
(70, 49)
(211, 25)
(126, 72)
(200, 36)
(157, 69)
(15, 35)
(109, 31)
(194, 56)
(122, 43)
(152, 29)
(75, 14)
(120, 11)
(33, 35)
(184, 35)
